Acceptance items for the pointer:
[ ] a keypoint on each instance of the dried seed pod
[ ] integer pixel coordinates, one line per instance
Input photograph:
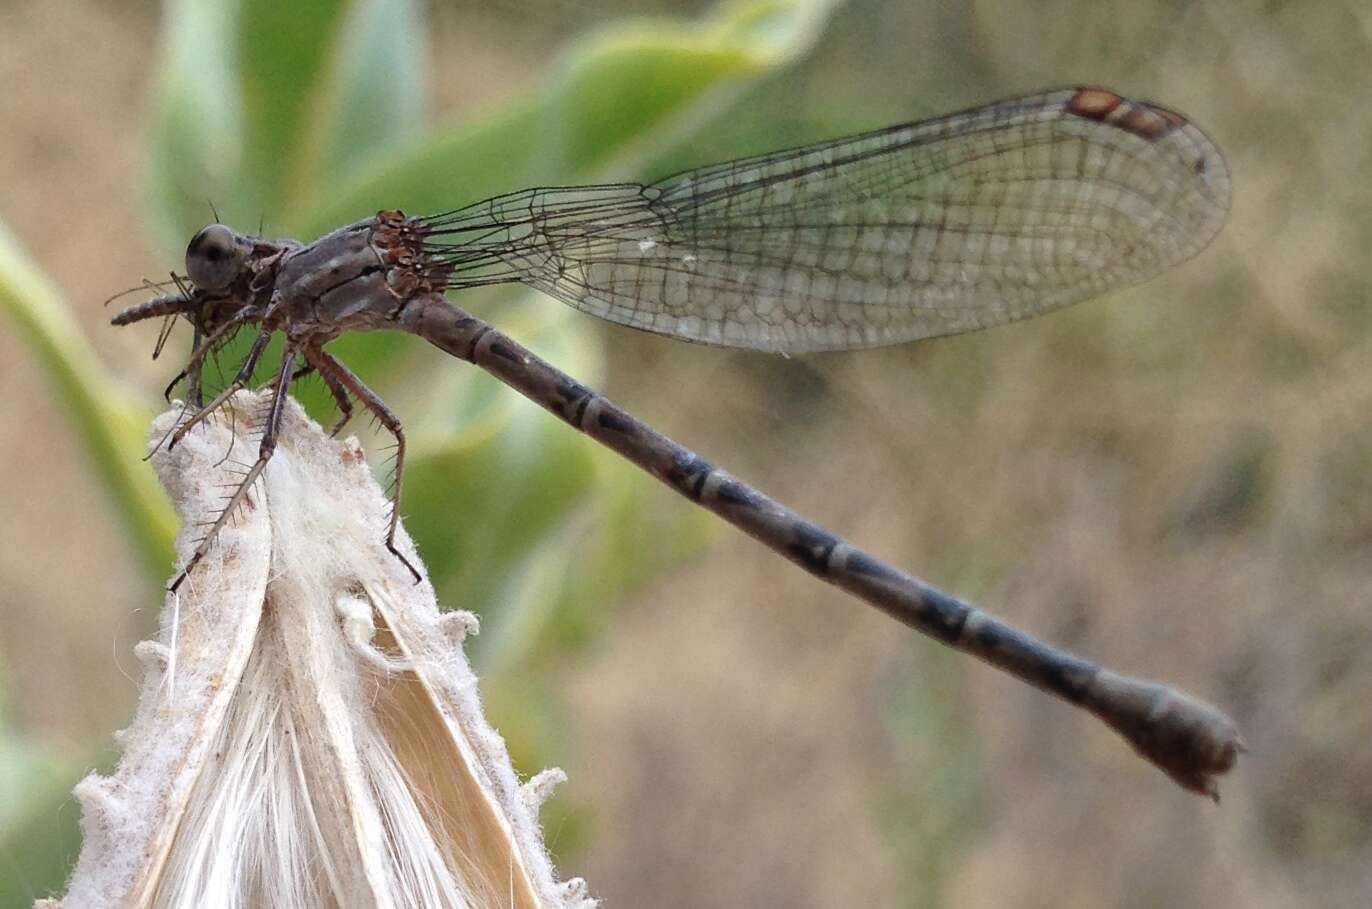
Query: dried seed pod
(309, 731)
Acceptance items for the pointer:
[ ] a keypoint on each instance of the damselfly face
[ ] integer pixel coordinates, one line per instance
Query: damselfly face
(218, 283)
(218, 294)
(216, 256)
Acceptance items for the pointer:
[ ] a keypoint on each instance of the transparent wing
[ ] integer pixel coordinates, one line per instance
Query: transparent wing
(931, 228)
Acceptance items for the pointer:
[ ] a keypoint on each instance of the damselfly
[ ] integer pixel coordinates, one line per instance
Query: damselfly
(947, 225)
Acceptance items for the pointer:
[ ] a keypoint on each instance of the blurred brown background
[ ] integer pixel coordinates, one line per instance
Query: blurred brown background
(1174, 482)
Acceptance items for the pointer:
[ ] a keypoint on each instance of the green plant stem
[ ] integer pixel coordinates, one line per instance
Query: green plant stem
(108, 418)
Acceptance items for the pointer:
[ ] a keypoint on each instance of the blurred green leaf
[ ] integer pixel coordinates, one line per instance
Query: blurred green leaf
(281, 58)
(507, 479)
(934, 815)
(263, 104)
(621, 87)
(276, 107)
(39, 845)
(529, 602)
(368, 99)
(632, 543)
(309, 115)
(195, 150)
(37, 839)
(502, 497)
(107, 417)
(494, 507)
(616, 94)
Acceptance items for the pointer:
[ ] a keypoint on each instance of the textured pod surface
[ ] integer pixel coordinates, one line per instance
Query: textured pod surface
(309, 732)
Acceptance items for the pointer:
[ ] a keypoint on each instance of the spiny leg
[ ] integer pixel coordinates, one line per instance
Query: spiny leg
(168, 323)
(331, 368)
(245, 372)
(264, 454)
(332, 382)
(201, 349)
(195, 396)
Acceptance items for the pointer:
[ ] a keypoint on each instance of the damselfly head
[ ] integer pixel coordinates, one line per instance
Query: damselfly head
(215, 257)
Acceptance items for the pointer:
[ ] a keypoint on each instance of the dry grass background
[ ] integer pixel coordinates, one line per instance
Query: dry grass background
(1175, 482)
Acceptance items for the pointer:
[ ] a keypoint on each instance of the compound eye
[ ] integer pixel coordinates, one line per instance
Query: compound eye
(214, 257)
